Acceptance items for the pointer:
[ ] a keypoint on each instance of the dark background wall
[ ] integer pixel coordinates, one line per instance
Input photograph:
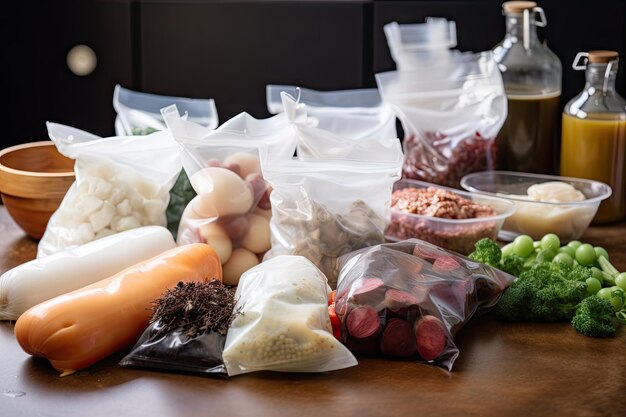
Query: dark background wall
(230, 49)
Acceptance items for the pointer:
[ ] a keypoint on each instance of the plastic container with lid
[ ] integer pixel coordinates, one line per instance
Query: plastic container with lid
(531, 73)
(593, 142)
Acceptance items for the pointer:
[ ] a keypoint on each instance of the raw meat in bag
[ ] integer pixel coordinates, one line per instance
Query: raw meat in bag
(283, 323)
(409, 299)
(450, 116)
(121, 183)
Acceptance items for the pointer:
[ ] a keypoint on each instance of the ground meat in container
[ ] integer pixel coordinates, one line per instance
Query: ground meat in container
(433, 203)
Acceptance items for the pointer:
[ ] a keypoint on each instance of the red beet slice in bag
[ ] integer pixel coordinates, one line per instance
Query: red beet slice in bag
(369, 291)
(445, 264)
(363, 322)
(430, 336)
(425, 252)
(398, 339)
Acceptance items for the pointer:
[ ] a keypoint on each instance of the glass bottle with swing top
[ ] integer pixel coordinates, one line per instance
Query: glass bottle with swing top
(593, 140)
(532, 74)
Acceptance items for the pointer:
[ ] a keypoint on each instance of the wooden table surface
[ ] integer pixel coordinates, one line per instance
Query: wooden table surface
(503, 370)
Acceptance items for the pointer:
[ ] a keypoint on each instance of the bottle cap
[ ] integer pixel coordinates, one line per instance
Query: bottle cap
(602, 57)
(518, 6)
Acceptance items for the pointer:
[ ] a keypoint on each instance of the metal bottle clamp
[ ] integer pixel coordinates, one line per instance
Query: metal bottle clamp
(577, 66)
(542, 22)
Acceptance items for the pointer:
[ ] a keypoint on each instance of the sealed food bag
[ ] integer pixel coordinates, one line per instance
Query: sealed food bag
(121, 183)
(409, 299)
(450, 116)
(283, 322)
(353, 114)
(422, 44)
(317, 143)
(139, 113)
(187, 330)
(231, 210)
(325, 208)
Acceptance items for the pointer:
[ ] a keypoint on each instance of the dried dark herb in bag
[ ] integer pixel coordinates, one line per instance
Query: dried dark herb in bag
(187, 330)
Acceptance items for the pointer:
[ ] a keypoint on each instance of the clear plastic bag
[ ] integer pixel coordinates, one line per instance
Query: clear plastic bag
(353, 114)
(324, 208)
(409, 299)
(422, 44)
(284, 323)
(450, 116)
(121, 183)
(139, 113)
(232, 207)
(318, 143)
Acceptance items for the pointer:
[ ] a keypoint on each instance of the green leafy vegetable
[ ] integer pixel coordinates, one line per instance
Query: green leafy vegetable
(180, 195)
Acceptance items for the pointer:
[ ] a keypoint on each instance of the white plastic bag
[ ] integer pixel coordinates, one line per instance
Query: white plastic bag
(353, 114)
(121, 183)
(324, 208)
(284, 323)
(140, 113)
(450, 116)
(422, 44)
(231, 209)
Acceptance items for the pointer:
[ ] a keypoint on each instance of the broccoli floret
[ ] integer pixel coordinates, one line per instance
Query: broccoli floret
(514, 302)
(546, 292)
(512, 264)
(594, 317)
(486, 251)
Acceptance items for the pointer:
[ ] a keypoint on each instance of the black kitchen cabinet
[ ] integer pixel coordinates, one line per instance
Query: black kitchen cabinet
(229, 50)
(38, 36)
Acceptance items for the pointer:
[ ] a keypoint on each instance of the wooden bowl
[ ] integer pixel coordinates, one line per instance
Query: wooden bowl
(34, 178)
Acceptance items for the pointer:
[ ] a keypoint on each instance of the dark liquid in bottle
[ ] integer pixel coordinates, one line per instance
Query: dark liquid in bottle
(528, 140)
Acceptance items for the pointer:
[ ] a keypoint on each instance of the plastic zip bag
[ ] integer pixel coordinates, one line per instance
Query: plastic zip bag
(231, 209)
(422, 44)
(121, 183)
(317, 143)
(284, 323)
(324, 208)
(353, 114)
(450, 116)
(139, 113)
(409, 299)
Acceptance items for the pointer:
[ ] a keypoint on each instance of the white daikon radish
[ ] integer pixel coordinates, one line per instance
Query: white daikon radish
(41, 279)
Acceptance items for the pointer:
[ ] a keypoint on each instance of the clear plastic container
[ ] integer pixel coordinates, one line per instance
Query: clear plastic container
(531, 73)
(537, 218)
(593, 142)
(458, 235)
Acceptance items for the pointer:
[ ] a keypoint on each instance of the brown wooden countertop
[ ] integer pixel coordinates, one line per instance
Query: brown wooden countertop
(503, 370)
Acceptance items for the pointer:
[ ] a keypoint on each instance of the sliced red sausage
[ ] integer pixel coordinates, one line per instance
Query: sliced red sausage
(398, 339)
(430, 336)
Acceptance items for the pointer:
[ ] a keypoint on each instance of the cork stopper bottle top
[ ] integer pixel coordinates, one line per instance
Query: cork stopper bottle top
(602, 57)
(518, 6)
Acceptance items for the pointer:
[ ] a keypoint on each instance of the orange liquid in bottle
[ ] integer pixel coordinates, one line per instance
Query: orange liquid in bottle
(596, 149)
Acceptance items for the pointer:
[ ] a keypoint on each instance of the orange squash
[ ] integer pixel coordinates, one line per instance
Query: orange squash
(77, 329)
